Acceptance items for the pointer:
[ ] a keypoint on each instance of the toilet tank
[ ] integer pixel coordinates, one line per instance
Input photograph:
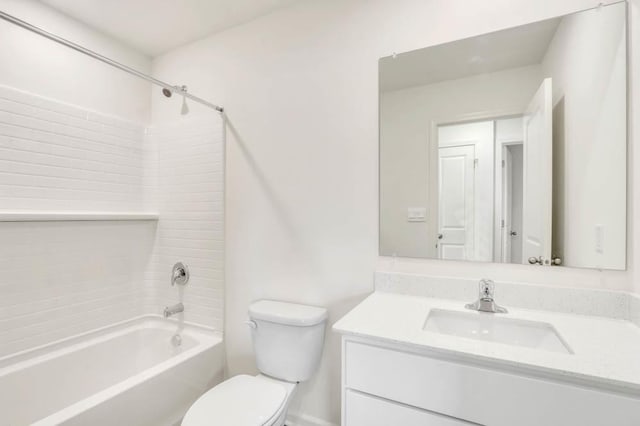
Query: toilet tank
(287, 338)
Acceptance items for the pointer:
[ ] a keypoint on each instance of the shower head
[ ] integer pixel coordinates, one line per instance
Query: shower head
(180, 90)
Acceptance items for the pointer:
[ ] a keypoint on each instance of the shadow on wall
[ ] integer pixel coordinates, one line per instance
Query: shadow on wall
(329, 375)
(558, 197)
(275, 201)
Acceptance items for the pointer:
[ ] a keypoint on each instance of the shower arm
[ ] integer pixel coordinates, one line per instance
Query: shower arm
(173, 88)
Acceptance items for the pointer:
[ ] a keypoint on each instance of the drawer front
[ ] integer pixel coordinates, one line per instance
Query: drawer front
(367, 410)
(481, 395)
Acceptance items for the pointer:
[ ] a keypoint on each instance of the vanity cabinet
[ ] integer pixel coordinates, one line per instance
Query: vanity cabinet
(365, 409)
(385, 384)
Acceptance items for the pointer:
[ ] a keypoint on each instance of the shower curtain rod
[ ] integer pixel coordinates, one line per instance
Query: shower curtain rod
(177, 89)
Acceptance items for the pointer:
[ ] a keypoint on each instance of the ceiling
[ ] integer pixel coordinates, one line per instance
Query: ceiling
(154, 27)
(512, 48)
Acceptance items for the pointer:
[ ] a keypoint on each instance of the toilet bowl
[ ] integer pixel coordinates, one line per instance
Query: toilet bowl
(242, 400)
(288, 340)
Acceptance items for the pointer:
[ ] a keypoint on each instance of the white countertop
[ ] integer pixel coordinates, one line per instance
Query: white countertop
(606, 351)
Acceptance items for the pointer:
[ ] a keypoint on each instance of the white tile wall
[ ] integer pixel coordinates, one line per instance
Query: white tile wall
(57, 156)
(190, 196)
(62, 278)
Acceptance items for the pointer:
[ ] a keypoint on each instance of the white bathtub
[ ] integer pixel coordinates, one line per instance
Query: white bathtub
(129, 374)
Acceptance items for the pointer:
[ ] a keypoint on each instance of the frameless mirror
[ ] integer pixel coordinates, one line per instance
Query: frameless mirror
(510, 146)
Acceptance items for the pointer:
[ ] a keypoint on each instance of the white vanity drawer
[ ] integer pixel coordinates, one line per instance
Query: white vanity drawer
(480, 395)
(367, 410)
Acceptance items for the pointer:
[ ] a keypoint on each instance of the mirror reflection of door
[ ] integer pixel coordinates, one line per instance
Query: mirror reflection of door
(482, 168)
(456, 201)
(465, 191)
(561, 152)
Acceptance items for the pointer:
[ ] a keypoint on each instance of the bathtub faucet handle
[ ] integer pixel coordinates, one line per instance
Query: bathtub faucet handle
(179, 274)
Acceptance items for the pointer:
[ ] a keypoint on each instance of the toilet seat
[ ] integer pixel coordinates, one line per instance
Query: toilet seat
(240, 401)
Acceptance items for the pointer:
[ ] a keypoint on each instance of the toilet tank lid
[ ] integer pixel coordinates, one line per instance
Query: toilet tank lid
(287, 313)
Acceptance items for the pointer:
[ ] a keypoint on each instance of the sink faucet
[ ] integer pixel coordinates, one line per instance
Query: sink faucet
(485, 302)
(174, 309)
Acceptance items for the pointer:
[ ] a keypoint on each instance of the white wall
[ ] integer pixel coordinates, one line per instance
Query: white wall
(37, 65)
(589, 137)
(300, 90)
(405, 125)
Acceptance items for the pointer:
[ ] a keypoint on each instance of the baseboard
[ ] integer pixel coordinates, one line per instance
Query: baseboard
(296, 419)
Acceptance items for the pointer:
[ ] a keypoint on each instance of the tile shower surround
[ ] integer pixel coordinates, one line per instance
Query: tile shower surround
(64, 278)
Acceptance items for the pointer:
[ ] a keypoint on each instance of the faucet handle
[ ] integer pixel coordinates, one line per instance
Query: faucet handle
(179, 274)
(486, 288)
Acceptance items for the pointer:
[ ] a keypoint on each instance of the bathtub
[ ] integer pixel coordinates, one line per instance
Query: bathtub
(128, 374)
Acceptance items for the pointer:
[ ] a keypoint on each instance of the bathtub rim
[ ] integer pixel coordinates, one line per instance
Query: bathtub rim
(37, 352)
(207, 339)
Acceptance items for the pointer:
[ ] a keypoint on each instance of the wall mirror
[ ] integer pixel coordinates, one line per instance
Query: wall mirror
(510, 146)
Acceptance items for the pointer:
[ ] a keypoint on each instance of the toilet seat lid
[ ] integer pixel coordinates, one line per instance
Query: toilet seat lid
(240, 401)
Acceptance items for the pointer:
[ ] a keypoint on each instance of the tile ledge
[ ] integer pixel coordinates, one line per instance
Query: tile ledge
(58, 216)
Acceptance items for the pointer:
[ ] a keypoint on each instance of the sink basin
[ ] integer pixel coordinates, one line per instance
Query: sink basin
(496, 328)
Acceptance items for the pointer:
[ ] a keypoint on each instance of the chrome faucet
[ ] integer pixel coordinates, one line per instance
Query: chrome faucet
(179, 274)
(485, 302)
(174, 309)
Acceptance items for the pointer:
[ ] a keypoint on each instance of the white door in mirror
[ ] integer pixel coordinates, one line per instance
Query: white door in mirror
(456, 202)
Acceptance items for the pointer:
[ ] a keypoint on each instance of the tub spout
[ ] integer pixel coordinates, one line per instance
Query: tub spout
(174, 309)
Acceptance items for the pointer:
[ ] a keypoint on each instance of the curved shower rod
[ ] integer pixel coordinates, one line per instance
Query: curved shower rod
(173, 88)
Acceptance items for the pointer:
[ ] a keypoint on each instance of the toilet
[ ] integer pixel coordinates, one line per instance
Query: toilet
(287, 340)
